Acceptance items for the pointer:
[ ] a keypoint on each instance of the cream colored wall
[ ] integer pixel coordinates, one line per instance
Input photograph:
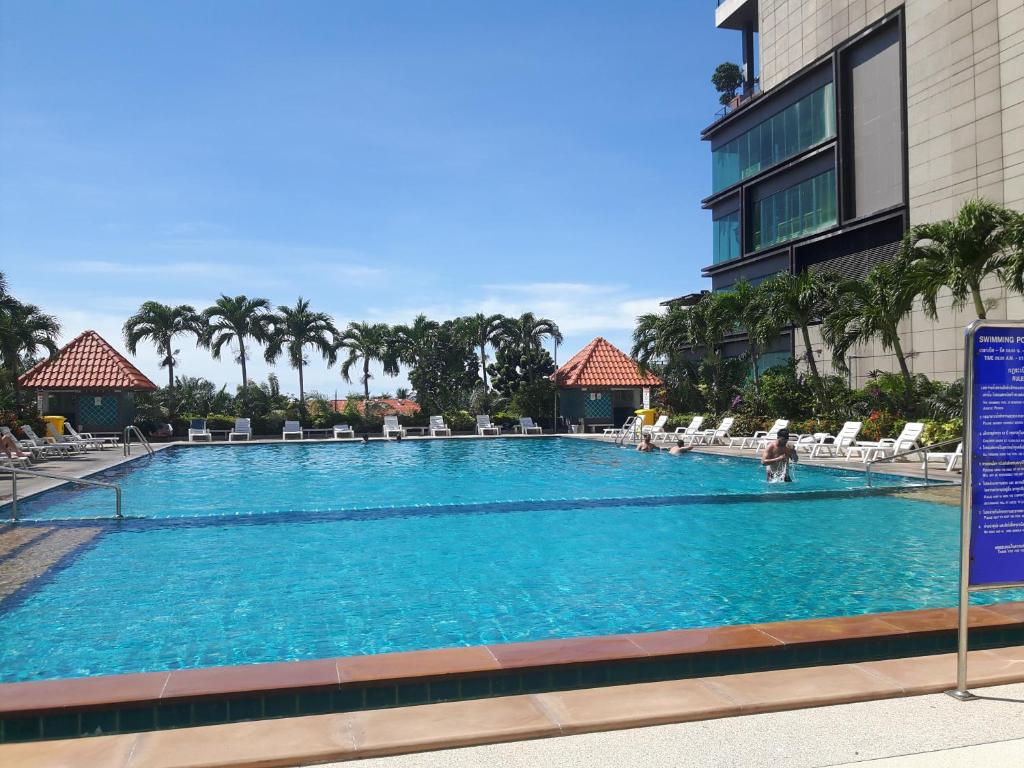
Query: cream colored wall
(965, 125)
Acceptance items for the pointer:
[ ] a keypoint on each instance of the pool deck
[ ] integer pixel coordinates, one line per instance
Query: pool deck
(659, 677)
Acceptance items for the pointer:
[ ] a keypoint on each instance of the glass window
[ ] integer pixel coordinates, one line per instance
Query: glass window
(727, 237)
(797, 127)
(795, 211)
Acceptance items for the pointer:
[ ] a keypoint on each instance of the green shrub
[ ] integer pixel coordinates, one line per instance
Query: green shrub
(939, 431)
(506, 418)
(880, 425)
(220, 421)
(460, 421)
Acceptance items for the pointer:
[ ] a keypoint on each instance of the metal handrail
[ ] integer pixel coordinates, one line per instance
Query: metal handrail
(628, 429)
(55, 476)
(131, 428)
(923, 450)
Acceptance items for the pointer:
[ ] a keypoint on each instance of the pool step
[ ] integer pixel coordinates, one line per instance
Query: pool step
(44, 552)
(16, 537)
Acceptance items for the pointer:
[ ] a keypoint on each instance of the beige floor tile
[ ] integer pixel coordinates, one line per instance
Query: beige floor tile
(631, 706)
(94, 752)
(453, 724)
(936, 673)
(264, 743)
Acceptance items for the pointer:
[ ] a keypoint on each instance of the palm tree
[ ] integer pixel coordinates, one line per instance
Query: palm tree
(959, 253)
(746, 304)
(404, 343)
(800, 300)
(368, 342)
(528, 332)
(868, 309)
(485, 329)
(160, 323)
(24, 331)
(292, 329)
(235, 319)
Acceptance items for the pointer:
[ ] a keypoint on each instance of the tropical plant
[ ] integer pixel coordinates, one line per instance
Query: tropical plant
(160, 324)
(746, 304)
(869, 309)
(527, 333)
(368, 343)
(800, 300)
(233, 319)
(25, 330)
(444, 370)
(959, 253)
(485, 330)
(292, 329)
(402, 393)
(726, 78)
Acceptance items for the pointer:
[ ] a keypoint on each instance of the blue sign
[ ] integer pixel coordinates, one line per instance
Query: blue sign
(996, 444)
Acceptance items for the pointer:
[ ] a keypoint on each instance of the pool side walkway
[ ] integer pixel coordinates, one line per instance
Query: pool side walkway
(324, 738)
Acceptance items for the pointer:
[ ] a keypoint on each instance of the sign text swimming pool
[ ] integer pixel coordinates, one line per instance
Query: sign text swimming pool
(996, 453)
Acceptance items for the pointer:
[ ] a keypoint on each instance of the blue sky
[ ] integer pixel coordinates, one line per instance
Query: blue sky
(381, 159)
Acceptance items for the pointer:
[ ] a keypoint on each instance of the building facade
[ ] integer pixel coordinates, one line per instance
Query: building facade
(872, 116)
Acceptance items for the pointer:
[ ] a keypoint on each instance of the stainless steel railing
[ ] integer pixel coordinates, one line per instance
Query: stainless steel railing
(15, 471)
(130, 430)
(922, 451)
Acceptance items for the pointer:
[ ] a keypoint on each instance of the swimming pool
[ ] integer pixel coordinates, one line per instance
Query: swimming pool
(200, 581)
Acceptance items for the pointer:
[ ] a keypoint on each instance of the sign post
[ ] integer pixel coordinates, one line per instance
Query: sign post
(992, 492)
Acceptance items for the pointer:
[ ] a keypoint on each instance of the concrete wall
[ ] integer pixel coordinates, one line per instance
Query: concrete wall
(965, 121)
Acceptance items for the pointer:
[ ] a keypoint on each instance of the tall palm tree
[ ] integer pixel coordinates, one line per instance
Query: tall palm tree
(235, 319)
(746, 304)
(959, 253)
(485, 329)
(24, 331)
(405, 342)
(292, 329)
(868, 309)
(160, 323)
(800, 300)
(528, 332)
(368, 342)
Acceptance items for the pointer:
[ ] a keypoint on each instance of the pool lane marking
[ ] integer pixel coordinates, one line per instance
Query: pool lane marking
(41, 558)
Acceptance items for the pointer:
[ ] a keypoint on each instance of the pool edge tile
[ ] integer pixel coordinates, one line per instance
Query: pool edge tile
(250, 678)
(81, 692)
(407, 665)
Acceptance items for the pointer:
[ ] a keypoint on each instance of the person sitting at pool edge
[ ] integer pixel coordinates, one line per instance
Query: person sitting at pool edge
(679, 448)
(11, 447)
(645, 445)
(779, 452)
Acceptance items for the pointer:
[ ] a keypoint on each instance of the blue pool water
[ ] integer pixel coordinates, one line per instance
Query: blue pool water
(191, 586)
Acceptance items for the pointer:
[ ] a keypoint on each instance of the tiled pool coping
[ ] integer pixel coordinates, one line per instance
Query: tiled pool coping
(64, 708)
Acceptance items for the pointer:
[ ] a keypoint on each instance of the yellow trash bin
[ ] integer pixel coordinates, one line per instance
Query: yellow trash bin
(647, 415)
(58, 423)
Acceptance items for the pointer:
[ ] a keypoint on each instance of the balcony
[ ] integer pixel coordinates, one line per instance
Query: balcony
(736, 14)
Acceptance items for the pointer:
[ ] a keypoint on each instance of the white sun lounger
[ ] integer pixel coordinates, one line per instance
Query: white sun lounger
(526, 426)
(54, 448)
(343, 430)
(888, 448)
(197, 431)
(952, 458)
(391, 426)
(103, 441)
(79, 444)
(291, 428)
(438, 427)
(242, 430)
(655, 429)
(835, 445)
(681, 433)
(717, 436)
(37, 451)
(761, 437)
(484, 425)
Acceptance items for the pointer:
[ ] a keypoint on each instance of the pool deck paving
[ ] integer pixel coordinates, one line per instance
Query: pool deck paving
(722, 717)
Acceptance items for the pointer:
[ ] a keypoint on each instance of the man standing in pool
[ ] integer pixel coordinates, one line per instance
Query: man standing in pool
(679, 448)
(777, 455)
(645, 445)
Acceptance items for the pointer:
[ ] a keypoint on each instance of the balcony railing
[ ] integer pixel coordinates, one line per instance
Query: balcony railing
(739, 100)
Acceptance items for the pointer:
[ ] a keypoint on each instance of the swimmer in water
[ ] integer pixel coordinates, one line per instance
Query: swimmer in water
(778, 455)
(366, 439)
(679, 448)
(645, 445)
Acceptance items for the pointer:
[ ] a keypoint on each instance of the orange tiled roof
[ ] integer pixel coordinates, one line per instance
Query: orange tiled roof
(384, 406)
(602, 364)
(86, 362)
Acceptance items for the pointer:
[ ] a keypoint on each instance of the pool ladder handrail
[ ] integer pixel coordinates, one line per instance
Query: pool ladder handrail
(923, 451)
(127, 442)
(56, 476)
(633, 425)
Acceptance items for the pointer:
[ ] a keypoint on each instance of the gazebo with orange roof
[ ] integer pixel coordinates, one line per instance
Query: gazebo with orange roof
(601, 385)
(89, 383)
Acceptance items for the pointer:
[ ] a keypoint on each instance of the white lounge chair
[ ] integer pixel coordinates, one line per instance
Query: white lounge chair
(952, 458)
(197, 431)
(438, 427)
(242, 430)
(483, 426)
(291, 428)
(343, 430)
(53, 447)
(759, 436)
(391, 426)
(631, 424)
(80, 444)
(655, 429)
(36, 451)
(14, 461)
(681, 433)
(888, 448)
(838, 444)
(103, 441)
(717, 436)
(526, 426)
